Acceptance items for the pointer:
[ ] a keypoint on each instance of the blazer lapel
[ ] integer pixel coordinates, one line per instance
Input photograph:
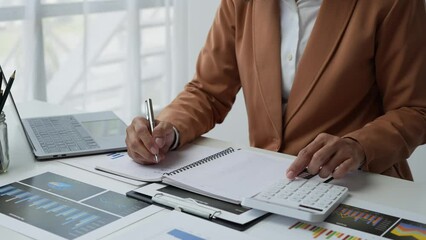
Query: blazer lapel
(267, 54)
(330, 25)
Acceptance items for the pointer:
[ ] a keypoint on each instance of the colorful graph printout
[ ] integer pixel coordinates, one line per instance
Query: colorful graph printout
(361, 219)
(316, 232)
(31, 201)
(406, 229)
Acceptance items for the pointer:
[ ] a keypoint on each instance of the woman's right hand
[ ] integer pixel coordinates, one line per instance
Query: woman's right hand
(142, 146)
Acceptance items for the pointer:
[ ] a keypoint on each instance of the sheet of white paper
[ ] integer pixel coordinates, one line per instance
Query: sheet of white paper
(38, 233)
(176, 225)
(353, 220)
(53, 203)
(89, 163)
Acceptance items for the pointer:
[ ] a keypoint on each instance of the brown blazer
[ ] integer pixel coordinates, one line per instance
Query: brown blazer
(362, 75)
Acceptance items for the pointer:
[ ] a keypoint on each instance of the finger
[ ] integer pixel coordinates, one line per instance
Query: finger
(139, 159)
(135, 146)
(344, 168)
(353, 155)
(139, 153)
(328, 168)
(164, 135)
(142, 132)
(168, 141)
(300, 163)
(302, 160)
(321, 157)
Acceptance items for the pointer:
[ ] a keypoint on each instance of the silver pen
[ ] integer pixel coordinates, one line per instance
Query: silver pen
(151, 119)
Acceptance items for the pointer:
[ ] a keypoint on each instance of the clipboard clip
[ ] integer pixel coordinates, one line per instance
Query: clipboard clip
(187, 205)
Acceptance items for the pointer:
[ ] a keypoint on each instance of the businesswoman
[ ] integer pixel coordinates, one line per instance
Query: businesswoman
(339, 83)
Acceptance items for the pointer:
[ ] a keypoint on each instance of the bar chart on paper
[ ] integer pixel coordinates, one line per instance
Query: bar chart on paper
(178, 234)
(361, 219)
(308, 231)
(63, 206)
(57, 215)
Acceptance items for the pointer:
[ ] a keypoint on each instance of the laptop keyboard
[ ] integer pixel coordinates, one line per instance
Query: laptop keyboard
(61, 134)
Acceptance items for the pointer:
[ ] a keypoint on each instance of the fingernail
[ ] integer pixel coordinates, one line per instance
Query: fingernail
(327, 173)
(290, 174)
(153, 150)
(159, 142)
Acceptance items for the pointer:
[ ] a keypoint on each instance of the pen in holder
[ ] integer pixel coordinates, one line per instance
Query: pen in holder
(4, 145)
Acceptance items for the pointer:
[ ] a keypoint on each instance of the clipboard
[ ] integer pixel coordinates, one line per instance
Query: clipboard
(227, 214)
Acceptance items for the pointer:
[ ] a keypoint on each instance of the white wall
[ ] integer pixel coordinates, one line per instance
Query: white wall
(200, 18)
(234, 129)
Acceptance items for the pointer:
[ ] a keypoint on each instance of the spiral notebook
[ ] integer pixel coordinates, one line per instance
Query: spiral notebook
(122, 165)
(228, 175)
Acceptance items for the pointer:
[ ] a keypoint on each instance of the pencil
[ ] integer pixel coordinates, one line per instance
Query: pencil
(7, 90)
(1, 76)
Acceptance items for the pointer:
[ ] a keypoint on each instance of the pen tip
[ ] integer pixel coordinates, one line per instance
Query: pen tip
(13, 75)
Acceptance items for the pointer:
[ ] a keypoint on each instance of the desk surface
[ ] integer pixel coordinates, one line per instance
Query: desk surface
(377, 189)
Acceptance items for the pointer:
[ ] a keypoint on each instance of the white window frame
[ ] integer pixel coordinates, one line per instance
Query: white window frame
(176, 50)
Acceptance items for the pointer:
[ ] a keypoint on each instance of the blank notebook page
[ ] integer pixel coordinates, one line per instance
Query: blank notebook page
(232, 177)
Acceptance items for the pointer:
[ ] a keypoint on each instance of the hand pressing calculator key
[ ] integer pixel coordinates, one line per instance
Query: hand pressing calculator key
(304, 199)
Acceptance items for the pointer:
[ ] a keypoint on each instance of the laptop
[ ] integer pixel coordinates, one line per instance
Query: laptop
(73, 135)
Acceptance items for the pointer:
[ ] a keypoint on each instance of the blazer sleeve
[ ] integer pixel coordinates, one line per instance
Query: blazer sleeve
(400, 63)
(208, 98)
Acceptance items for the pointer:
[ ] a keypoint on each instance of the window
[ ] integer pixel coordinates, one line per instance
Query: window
(92, 55)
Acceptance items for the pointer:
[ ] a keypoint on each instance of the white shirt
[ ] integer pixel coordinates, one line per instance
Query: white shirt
(297, 22)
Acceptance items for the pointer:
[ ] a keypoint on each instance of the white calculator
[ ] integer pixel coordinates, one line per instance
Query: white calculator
(304, 199)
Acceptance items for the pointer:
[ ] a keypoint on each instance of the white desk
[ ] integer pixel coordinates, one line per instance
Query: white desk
(23, 161)
(374, 188)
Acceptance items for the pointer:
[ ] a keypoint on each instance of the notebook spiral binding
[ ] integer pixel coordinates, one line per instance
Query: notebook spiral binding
(202, 161)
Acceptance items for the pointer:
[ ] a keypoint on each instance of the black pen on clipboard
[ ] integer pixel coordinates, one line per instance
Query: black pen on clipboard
(151, 119)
